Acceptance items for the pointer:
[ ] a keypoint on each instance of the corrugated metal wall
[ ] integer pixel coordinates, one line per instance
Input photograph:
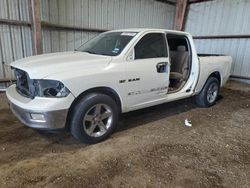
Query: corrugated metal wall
(222, 17)
(100, 14)
(15, 41)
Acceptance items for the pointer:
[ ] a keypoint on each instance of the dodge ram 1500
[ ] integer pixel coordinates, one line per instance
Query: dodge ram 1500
(118, 71)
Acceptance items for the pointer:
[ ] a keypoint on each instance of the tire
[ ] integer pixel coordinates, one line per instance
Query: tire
(209, 94)
(94, 118)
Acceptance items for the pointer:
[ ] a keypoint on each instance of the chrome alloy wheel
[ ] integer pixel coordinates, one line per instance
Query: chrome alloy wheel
(212, 92)
(98, 120)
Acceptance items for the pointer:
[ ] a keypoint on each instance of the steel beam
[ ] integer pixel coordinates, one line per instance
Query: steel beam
(181, 10)
(168, 2)
(198, 1)
(14, 22)
(70, 28)
(223, 37)
(240, 77)
(36, 27)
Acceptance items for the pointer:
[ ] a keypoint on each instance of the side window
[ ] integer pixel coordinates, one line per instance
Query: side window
(152, 45)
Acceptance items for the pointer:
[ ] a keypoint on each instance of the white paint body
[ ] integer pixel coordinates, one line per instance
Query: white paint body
(80, 71)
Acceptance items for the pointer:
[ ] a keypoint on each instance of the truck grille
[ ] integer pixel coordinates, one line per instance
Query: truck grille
(23, 83)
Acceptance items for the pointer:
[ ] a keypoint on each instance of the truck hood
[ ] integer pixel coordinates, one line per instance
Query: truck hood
(41, 66)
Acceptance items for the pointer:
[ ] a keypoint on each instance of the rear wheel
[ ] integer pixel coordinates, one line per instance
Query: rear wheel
(94, 118)
(209, 94)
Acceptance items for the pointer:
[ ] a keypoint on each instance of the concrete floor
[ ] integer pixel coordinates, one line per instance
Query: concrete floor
(152, 148)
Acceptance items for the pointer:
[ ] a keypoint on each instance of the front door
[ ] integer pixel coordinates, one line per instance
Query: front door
(147, 71)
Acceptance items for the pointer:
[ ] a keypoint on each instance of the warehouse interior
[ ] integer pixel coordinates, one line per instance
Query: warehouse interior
(152, 147)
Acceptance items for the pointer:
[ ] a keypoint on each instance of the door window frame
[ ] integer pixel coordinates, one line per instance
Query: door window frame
(131, 51)
(189, 48)
(187, 40)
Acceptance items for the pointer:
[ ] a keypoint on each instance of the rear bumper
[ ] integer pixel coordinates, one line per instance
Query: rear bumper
(39, 113)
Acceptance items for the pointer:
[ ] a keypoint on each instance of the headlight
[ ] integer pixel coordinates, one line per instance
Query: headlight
(50, 88)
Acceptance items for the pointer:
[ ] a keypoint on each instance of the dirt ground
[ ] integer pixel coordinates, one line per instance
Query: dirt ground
(151, 148)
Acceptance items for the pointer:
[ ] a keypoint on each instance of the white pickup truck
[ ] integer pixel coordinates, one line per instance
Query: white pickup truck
(115, 72)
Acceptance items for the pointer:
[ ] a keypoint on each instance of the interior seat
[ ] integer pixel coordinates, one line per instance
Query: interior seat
(179, 63)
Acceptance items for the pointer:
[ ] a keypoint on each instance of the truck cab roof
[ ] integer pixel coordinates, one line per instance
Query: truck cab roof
(142, 30)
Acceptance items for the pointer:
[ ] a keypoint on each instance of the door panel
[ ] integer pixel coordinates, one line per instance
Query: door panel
(148, 71)
(147, 80)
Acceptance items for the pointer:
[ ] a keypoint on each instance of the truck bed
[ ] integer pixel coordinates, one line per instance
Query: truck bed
(213, 63)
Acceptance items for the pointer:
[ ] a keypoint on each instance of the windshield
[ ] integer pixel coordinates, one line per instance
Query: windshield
(110, 44)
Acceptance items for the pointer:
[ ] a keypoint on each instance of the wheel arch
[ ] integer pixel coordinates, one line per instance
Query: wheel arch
(202, 81)
(217, 75)
(102, 90)
(201, 97)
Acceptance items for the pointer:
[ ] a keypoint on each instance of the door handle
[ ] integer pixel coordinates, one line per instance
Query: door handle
(161, 67)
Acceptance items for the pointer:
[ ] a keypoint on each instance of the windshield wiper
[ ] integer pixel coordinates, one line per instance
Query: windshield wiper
(90, 52)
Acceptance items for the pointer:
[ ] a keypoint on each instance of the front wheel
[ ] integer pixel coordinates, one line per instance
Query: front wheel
(94, 118)
(209, 94)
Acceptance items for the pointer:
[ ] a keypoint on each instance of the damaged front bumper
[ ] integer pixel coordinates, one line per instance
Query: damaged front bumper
(40, 112)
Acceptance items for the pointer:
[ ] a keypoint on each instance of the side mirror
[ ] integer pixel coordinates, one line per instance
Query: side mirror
(131, 55)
